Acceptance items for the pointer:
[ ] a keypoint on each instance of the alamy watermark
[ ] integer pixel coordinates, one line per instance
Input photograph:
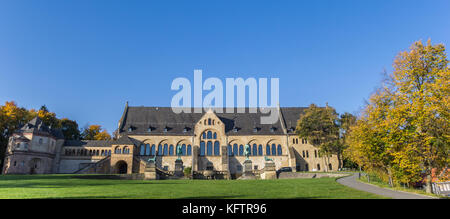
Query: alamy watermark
(182, 100)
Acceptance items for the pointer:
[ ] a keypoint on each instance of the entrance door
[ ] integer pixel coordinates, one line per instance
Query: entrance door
(121, 167)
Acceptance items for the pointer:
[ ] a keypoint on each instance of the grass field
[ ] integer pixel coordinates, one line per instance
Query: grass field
(69, 186)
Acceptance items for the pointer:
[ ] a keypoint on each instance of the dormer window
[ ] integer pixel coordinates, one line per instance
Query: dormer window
(255, 129)
(130, 129)
(149, 129)
(235, 129)
(272, 129)
(165, 129)
(185, 130)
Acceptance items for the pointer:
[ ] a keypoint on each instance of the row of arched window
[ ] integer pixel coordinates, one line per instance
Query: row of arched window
(295, 141)
(209, 135)
(207, 148)
(119, 150)
(86, 152)
(255, 150)
(164, 150)
(210, 122)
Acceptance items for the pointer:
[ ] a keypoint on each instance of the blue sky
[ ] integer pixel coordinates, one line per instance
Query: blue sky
(85, 59)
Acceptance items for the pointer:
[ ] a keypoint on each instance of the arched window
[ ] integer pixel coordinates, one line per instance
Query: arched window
(235, 150)
(230, 151)
(304, 154)
(153, 150)
(255, 150)
(160, 151)
(147, 149)
(189, 150)
(296, 140)
(293, 141)
(209, 121)
(268, 150)
(126, 150)
(274, 149)
(183, 149)
(318, 166)
(330, 167)
(142, 150)
(209, 148)
(306, 167)
(279, 150)
(241, 150)
(209, 135)
(202, 148)
(216, 148)
(215, 135)
(204, 135)
(118, 150)
(166, 150)
(171, 150)
(260, 150)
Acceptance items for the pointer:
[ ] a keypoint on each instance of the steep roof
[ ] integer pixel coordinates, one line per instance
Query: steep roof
(100, 143)
(154, 121)
(37, 126)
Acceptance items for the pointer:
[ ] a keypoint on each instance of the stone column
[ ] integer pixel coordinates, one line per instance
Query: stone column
(269, 171)
(150, 171)
(179, 168)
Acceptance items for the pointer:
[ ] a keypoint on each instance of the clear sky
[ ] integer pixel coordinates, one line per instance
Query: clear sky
(84, 59)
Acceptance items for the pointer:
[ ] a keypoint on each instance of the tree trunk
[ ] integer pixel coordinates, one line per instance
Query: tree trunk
(428, 183)
(390, 177)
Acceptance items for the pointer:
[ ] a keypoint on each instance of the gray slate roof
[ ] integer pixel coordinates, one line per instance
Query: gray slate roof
(140, 119)
(100, 143)
(37, 126)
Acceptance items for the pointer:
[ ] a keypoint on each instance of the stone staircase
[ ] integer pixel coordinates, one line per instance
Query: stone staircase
(94, 167)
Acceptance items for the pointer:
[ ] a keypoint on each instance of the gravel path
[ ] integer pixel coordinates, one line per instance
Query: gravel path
(352, 181)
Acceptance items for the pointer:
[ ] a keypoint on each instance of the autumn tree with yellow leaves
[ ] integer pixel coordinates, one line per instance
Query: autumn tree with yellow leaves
(403, 132)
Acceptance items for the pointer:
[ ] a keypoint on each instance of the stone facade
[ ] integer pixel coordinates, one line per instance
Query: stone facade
(210, 141)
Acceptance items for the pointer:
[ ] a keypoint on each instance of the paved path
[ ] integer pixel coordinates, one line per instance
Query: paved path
(352, 181)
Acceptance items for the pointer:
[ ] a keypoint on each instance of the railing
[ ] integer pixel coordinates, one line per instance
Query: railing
(441, 188)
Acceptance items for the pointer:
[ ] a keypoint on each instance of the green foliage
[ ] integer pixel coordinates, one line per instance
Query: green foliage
(187, 171)
(323, 128)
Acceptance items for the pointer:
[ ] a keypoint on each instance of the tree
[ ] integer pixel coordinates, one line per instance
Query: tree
(346, 121)
(11, 118)
(95, 132)
(408, 117)
(320, 127)
(69, 129)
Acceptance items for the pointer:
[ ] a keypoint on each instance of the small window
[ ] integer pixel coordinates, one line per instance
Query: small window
(165, 129)
(130, 129)
(235, 129)
(40, 141)
(149, 129)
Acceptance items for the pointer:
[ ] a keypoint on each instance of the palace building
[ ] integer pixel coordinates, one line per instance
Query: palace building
(209, 141)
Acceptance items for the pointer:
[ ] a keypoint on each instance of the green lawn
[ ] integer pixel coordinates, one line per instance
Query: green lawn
(68, 186)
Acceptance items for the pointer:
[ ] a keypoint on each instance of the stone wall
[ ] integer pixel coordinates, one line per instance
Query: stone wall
(299, 175)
